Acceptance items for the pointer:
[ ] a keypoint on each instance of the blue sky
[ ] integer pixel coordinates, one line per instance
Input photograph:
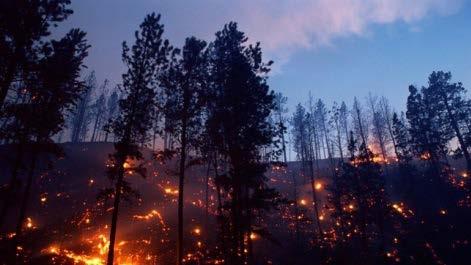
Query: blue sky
(337, 49)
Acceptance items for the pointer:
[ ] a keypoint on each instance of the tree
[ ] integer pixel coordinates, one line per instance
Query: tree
(300, 135)
(378, 122)
(240, 115)
(320, 115)
(80, 119)
(183, 84)
(52, 90)
(359, 122)
(145, 61)
(280, 111)
(23, 27)
(304, 136)
(99, 108)
(361, 207)
(449, 101)
(112, 108)
(428, 135)
(336, 122)
(401, 139)
(385, 110)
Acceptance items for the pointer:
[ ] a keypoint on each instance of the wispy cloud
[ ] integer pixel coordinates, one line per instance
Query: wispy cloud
(284, 26)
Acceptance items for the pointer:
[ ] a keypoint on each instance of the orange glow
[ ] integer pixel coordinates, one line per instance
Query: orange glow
(425, 156)
(29, 223)
(318, 186)
(126, 165)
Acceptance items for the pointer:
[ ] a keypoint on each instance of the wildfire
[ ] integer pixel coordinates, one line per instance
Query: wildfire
(29, 223)
(401, 209)
(171, 191)
(425, 156)
(303, 202)
(126, 165)
(318, 186)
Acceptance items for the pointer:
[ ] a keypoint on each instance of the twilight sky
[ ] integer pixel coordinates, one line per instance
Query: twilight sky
(337, 49)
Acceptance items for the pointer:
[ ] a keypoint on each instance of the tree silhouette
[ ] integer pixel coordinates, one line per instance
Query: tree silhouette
(80, 119)
(183, 84)
(51, 90)
(241, 111)
(145, 61)
(449, 101)
(24, 26)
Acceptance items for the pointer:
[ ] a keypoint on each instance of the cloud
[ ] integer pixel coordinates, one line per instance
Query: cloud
(285, 26)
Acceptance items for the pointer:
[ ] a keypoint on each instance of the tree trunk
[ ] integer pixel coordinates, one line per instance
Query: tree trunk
(25, 200)
(12, 184)
(180, 191)
(464, 147)
(114, 218)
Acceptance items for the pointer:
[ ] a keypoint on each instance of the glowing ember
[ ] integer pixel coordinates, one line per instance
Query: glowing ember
(126, 165)
(171, 191)
(425, 156)
(29, 223)
(318, 186)
(253, 236)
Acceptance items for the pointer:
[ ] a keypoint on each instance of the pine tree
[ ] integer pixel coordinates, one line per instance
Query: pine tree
(52, 90)
(359, 122)
(361, 206)
(79, 119)
(183, 84)
(99, 108)
(242, 107)
(336, 122)
(25, 25)
(112, 108)
(144, 61)
(449, 101)
(280, 111)
(428, 135)
(378, 123)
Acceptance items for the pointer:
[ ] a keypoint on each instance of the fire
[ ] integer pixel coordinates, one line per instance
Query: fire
(171, 191)
(302, 202)
(79, 259)
(402, 210)
(318, 186)
(197, 231)
(126, 165)
(29, 223)
(425, 156)
(253, 236)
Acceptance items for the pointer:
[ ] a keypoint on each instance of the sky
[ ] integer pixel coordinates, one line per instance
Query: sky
(335, 49)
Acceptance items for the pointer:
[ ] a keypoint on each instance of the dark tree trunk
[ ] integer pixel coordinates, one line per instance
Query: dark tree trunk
(25, 200)
(114, 218)
(12, 184)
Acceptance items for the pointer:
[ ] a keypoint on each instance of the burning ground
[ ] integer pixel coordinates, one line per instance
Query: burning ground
(68, 222)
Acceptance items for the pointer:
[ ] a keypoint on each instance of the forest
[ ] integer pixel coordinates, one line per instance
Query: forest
(194, 159)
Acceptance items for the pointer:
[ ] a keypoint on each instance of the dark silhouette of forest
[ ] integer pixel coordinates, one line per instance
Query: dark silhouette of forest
(194, 144)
